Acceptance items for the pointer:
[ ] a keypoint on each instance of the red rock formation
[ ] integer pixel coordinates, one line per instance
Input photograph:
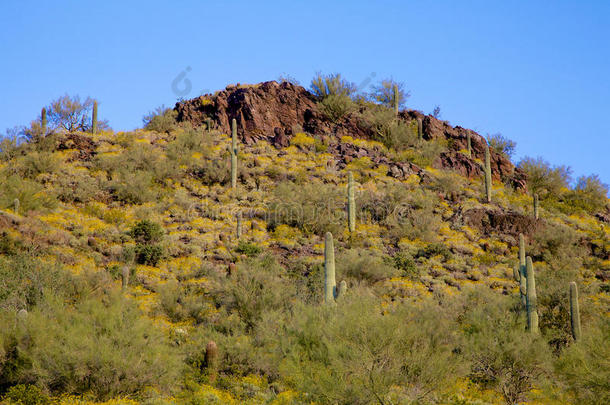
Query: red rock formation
(275, 111)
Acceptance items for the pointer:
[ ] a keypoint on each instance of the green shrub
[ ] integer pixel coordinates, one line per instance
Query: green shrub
(502, 145)
(313, 208)
(248, 249)
(589, 195)
(333, 84)
(135, 187)
(544, 179)
(36, 163)
(259, 285)
(211, 171)
(160, 120)
(502, 355)
(353, 353)
(584, 366)
(361, 264)
(24, 280)
(404, 262)
(102, 348)
(22, 394)
(383, 93)
(146, 231)
(336, 106)
(32, 196)
(70, 114)
(148, 254)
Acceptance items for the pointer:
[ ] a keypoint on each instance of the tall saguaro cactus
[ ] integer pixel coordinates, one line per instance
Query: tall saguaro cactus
(487, 174)
(531, 304)
(536, 206)
(234, 153)
(522, 271)
(208, 123)
(351, 203)
(16, 205)
(43, 121)
(125, 277)
(330, 284)
(469, 144)
(575, 312)
(238, 230)
(94, 118)
(420, 129)
(395, 91)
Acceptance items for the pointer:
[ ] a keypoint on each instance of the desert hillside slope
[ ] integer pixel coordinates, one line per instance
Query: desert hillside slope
(136, 267)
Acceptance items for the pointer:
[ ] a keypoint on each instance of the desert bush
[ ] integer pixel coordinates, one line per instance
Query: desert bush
(211, 171)
(589, 195)
(503, 355)
(146, 231)
(501, 144)
(344, 354)
(554, 303)
(133, 187)
(361, 264)
(259, 285)
(544, 179)
(558, 245)
(383, 93)
(24, 280)
(336, 106)
(391, 132)
(147, 235)
(585, 366)
(313, 208)
(248, 249)
(161, 120)
(22, 394)
(333, 84)
(102, 348)
(32, 196)
(149, 255)
(71, 114)
(36, 163)
(79, 187)
(404, 262)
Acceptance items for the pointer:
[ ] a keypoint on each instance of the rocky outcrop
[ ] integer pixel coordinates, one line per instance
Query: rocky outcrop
(401, 170)
(275, 111)
(496, 221)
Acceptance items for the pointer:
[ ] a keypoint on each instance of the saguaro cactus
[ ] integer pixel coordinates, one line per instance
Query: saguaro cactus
(211, 359)
(351, 203)
(329, 269)
(531, 305)
(487, 174)
(536, 206)
(125, 277)
(234, 153)
(238, 230)
(469, 142)
(208, 123)
(94, 118)
(43, 121)
(395, 91)
(420, 129)
(574, 312)
(16, 205)
(522, 270)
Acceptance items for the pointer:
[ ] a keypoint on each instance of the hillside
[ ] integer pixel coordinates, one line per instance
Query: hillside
(134, 272)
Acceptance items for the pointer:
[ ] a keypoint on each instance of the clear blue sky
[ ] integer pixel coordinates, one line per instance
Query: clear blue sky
(536, 71)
